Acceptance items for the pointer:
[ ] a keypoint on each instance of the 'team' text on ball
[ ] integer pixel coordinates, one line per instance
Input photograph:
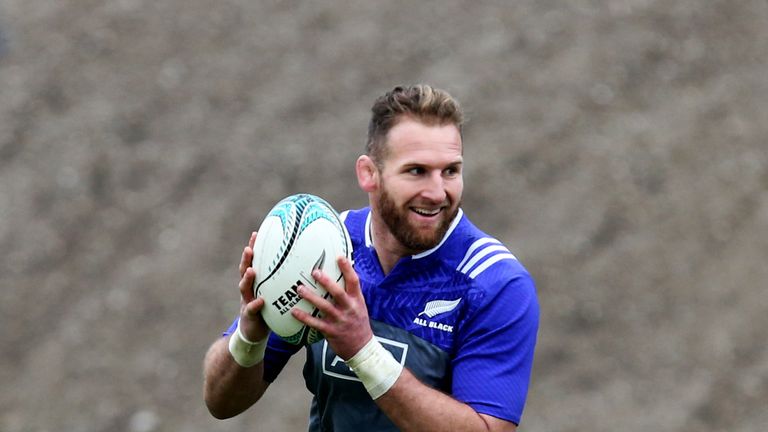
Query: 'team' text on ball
(288, 299)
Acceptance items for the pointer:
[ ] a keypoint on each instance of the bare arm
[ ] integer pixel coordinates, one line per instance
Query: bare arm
(413, 406)
(410, 404)
(229, 388)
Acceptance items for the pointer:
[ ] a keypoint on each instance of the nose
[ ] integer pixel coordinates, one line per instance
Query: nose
(434, 189)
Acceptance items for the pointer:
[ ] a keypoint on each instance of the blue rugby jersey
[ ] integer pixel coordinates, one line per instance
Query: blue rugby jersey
(462, 317)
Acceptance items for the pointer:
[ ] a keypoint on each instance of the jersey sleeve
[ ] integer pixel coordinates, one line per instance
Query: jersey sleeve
(494, 359)
(275, 357)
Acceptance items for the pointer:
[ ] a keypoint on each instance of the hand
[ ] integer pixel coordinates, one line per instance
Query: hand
(252, 324)
(345, 322)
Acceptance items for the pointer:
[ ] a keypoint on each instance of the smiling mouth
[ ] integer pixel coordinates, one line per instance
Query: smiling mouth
(426, 212)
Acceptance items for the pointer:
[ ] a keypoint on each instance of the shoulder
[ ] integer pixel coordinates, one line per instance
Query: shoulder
(355, 215)
(492, 271)
(481, 257)
(356, 221)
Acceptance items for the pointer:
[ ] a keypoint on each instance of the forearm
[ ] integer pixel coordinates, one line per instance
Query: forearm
(413, 406)
(229, 388)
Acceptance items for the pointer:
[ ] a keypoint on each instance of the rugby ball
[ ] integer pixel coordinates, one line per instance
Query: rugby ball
(301, 233)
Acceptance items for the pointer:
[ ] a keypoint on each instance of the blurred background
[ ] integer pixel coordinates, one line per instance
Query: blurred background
(617, 147)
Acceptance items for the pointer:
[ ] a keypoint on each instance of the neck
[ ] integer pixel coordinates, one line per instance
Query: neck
(388, 248)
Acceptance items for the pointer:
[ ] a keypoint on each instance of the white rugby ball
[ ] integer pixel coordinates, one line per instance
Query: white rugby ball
(301, 233)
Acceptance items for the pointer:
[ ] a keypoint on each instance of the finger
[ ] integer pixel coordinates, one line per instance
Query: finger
(337, 292)
(252, 323)
(247, 256)
(252, 308)
(314, 322)
(351, 279)
(244, 261)
(325, 306)
(246, 285)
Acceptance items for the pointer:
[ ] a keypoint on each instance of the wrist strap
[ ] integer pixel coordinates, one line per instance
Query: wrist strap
(244, 352)
(375, 367)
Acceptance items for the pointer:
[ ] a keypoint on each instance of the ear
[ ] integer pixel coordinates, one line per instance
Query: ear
(367, 174)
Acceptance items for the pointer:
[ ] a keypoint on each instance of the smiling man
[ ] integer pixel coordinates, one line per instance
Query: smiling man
(415, 188)
(437, 326)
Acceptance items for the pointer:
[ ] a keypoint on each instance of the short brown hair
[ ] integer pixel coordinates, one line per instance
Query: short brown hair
(422, 102)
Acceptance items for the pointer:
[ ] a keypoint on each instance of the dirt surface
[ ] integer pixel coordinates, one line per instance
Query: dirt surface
(617, 147)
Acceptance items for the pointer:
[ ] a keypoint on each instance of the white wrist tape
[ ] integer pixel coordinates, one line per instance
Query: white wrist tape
(375, 367)
(245, 352)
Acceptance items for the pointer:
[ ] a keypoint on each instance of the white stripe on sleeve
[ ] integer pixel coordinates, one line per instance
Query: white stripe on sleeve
(489, 262)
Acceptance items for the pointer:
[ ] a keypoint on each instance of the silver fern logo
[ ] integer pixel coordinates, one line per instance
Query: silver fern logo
(433, 309)
(437, 307)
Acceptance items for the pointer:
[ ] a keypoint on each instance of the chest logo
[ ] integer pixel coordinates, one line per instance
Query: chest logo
(433, 309)
(437, 307)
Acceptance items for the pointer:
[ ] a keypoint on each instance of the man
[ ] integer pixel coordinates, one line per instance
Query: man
(437, 326)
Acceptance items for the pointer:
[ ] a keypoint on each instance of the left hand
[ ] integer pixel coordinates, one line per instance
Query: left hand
(345, 321)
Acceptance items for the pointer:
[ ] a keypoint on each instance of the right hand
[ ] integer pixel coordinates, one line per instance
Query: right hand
(252, 324)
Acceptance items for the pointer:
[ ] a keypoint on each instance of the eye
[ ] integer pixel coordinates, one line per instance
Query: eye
(416, 171)
(452, 171)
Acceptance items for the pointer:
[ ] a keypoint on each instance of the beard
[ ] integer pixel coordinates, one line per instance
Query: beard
(409, 236)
